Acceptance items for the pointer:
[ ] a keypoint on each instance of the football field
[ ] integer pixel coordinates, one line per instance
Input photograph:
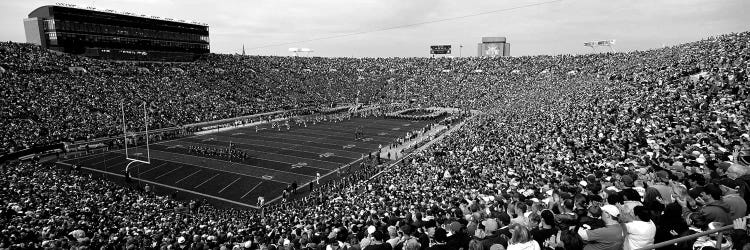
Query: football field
(275, 158)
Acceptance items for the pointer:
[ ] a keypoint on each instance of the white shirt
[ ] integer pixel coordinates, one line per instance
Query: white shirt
(529, 245)
(640, 234)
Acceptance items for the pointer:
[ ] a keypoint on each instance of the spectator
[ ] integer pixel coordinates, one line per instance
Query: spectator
(737, 205)
(715, 209)
(640, 232)
(610, 237)
(521, 240)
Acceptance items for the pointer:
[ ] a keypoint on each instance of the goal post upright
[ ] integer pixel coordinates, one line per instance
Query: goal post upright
(124, 129)
(125, 138)
(145, 123)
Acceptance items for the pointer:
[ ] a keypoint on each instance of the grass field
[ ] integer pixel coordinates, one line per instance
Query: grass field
(277, 158)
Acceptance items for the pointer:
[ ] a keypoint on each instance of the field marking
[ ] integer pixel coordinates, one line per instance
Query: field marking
(225, 171)
(222, 190)
(172, 187)
(376, 120)
(86, 158)
(343, 131)
(344, 137)
(168, 172)
(248, 192)
(187, 176)
(237, 163)
(99, 162)
(204, 182)
(373, 124)
(291, 148)
(299, 165)
(283, 155)
(315, 139)
(157, 166)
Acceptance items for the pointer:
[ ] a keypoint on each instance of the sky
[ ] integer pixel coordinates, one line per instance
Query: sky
(364, 28)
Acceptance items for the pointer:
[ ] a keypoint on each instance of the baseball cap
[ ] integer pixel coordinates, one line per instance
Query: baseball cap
(611, 210)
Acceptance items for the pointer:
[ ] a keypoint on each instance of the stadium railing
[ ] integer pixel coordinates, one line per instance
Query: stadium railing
(718, 231)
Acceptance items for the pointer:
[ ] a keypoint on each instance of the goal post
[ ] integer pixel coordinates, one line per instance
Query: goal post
(136, 142)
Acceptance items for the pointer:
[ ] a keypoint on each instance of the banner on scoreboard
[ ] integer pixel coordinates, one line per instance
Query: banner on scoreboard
(440, 49)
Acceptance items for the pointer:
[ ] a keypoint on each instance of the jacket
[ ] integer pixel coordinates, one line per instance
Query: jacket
(717, 211)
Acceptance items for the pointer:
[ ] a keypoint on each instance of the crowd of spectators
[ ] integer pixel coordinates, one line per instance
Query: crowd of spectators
(599, 151)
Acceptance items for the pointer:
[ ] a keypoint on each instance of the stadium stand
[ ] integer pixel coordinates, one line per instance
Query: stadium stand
(598, 151)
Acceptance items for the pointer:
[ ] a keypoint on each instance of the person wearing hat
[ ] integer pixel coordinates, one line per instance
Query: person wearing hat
(609, 237)
(737, 205)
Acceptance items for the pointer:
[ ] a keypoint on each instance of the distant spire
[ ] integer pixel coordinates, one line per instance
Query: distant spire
(243, 49)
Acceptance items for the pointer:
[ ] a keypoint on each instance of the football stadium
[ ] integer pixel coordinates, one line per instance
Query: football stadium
(123, 130)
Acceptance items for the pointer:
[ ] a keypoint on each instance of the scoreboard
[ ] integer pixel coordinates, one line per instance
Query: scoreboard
(440, 49)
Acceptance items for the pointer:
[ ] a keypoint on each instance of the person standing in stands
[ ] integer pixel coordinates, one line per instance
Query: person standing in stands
(609, 237)
(641, 231)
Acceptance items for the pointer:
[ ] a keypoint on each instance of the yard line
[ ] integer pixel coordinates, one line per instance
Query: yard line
(220, 170)
(222, 190)
(157, 166)
(230, 163)
(172, 187)
(333, 142)
(252, 142)
(178, 181)
(288, 156)
(248, 192)
(204, 182)
(97, 163)
(168, 172)
(249, 142)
